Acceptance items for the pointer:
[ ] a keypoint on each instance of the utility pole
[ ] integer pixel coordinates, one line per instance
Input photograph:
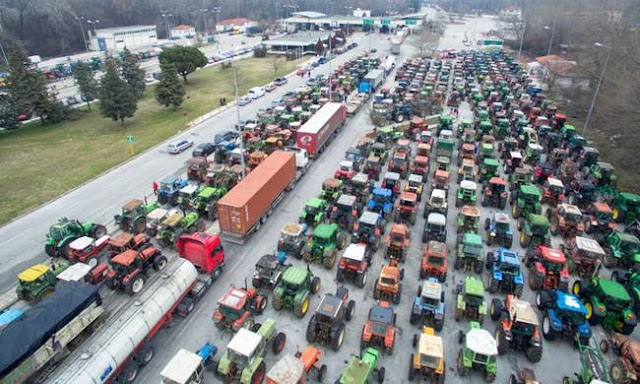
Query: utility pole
(166, 15)
(524, 29)
(79, 20)
(235, 86)
(330, 59)
(216, 11)
(204, 20)
(4, 54)
(595, 95)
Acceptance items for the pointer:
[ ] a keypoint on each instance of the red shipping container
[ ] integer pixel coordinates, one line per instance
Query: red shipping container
(315, 133)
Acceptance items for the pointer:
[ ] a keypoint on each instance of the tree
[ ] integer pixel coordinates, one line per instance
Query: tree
(185, 59)
(87, 84)
(132, 73)
(8, 113)
(26, 85)
(276, 63)
(116, 100)
(169, 91)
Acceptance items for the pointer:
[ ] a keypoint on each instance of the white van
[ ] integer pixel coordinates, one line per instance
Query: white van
(179, 146)
(256, 92)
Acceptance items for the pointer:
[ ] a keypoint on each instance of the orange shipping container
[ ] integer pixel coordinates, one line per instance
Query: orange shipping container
(250, 200)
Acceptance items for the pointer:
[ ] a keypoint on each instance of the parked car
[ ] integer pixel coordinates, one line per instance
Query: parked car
(244, 100)
(72, 100)
(269, 87)
(241, 124)
(256, 92)
(280, 81)
(278, 102)
(178, 146)
(149, 79)
(227, 135)
(203, 149)
(312, 83)
(373, 50)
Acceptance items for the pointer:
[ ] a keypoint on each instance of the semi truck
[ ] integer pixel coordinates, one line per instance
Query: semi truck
(372, 81)
(115, 353)
(45, 332)
(318, 131)
(247, 206)
(396, 42)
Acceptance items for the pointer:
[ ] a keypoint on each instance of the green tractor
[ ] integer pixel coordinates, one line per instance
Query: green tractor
(469, 252)
(594, 367)
(470, 302)
(134, 216)
(479, 352)
(176, 224)
(324, 244)
(331, 190)
(467, 193)
(205, 201)
(626, 207)
(314, 212)
(621, 250)
(38, 282)
(630, 280)
(607, 303)
(525, 200)
(294, 290)
(361, 370)
(502, 129)
(62, 233)
(489, 170)
(244, 359)
(534, 231)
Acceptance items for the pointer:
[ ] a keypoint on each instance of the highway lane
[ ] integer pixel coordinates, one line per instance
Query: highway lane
(21, 241)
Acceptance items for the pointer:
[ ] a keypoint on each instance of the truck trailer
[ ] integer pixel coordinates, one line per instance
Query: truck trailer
(318, 131)
(115, 353)
(372, 81)
(247, 206)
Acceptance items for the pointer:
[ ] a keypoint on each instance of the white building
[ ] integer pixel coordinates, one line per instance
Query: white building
(240, 24)
(182, 32)
(115, 39)
(361, 12)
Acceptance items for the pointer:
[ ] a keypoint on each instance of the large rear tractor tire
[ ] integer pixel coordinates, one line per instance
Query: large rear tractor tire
(97, 231)
(135, 285)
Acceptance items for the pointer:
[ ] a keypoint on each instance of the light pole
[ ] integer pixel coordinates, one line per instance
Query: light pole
(235, 86)
(524, 29)
(204, 20)
(553, 33)
(79, 20)
(595, 94)
(349, 13)
(90, 34)
(216, 11)
(166, 15)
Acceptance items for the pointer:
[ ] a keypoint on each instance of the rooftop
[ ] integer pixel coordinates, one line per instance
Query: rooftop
(298, 39)
(124, 29)
(234, 21)
(182, 27)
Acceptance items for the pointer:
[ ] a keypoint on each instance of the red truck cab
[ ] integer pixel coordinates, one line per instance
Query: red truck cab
(204, 250)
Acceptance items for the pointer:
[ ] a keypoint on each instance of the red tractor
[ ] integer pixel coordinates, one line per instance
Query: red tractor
(420, 166)
(87, 250)
(406, 208)
(380, 328)
(598, 219)
(547, 269)
(397, 242)
(434, 261)
(399, 163)
(128, 269)
(495, 193)
(440, 180)
(566, 220)
(518, 327)
(236, 309)
(354, 264)
(125, 241)
(345, 171)
(552, 191)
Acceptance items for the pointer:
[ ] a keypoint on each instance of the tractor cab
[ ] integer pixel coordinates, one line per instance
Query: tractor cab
(489, 169)
(197, 168)
(598, 218)
(426, 137)
(359, 186)
(499, 229)
(345, 171)
(314, 211)
(169, 189)
(423, 149)
(331, 189)
(479, 352)
(467, 171)
(403, 146)
(589, 156)
(345, 211)
(467, 193)
(399, 163)
(391, 181)
(134, 216)
(255, 158)
(495, 193)
(415, 184)
(553, 191)
(467, 151)
(186, 194)
(468, 219)
(379, 150)
(435, 228)
(38, 282)
(440, 180)
(553, 260)
(372, 167)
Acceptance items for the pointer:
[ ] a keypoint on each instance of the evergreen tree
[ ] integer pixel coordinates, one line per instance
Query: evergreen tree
(8, 113)
(170, 90)
(186, 59)
(116, 100)
(132, 73)
(87, 84)
(26, 85)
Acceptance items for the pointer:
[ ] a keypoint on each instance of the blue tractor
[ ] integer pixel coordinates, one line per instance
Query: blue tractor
(170, 188)
(428, 306)
(564, 316)
(504, 272)
(223, 151)
(380, 201)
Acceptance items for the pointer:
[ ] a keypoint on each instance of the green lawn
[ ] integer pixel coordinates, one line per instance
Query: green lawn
(41, 162)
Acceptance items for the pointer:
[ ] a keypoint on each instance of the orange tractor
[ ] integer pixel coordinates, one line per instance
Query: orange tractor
(380, 328)
(388, 286)
(397, 242)
(297, 368)
(434, 261)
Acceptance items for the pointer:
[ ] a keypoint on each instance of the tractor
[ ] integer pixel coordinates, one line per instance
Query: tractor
(468, 219)
(565, 220)
(552, 192)
(520, 176)
(518, 327)
(584, 256)
(494, 193)
(525, 200)
(388, 286)
(415, 184)
(625, 369)
(298, 367)
(294, 290)
(428, 360)
(626, 207)
(134, 216)
(406, 208)
(354, 264)
(197, 168)
(38, 282)
(331, 190)
(467, 171)
(397, 243)
(186, 194)
(534, 231)
(129, 269)
(237, 309)
(428, 307)
(244, 359)
(327, 325)
(292, 239)
(437, 203)
(380, 202)
(169, 188)
(498, 230)
(489, 169)
(504, 272)
(621, 250)
(440, 180)
(268, 271)
(323, 245)
(380, 328)
(547, 269)
(467, 151)
(62, 233)
(469, 252)
(435, 228)
(420, 166)
(314, 212)
(345, 212)
(391, 181)
(345, 171)
(598, 219)
(125, 241)
(176, 224)
(361, 370)
(399, 163)
(372, 167)
(479, 352)
(564, 316)
(434, 261)
(369, 230)
(470, 301)
(360, 187)
(607, 303)
(467, 193)
(205, 201)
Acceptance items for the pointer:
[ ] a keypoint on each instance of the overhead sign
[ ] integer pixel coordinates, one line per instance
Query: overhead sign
(385, 21)
(367, 22)
(129, 139)
(410, 22)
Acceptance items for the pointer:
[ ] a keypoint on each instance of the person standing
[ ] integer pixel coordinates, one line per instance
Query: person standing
(155, 187)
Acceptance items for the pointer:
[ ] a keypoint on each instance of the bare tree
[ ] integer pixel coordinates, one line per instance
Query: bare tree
(276, 63)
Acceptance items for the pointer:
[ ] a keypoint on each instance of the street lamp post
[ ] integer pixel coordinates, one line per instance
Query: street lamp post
(524, 29)
(235, 86)
(92, 24)
(595, 94)
(553, 33)
(204, 20)
(79, 20)
(348, 8)
(165, 15)
(216, 11)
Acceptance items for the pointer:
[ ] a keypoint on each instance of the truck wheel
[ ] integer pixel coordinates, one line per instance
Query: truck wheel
(145, 355)
(278, 343)
(135, 286)
(159, 262)
(129, 374)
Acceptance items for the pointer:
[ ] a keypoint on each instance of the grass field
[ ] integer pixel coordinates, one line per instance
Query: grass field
(41, 162)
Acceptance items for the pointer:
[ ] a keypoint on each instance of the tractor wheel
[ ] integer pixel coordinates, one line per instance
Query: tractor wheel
(520, 224)
(381, 374)
(547, 332)
(139, 225)
(587, 226)
(277, 303)
(212, 213)
(311, 333)
(534, 354)
(199, 226)
(124, 224)
(159, 262)
(258, 374)
(97, 231)
(397, 295)
(524, 240)
(91, 261)
(362, 280)
(534, 281)
(329, 262)
(315, 285)
(501, 341)
(496, 309)
(489, 260)
(578, 289)
(412, 372)
(618, 372)
(260, 303)
(609, 260)
(162, 199)
(493, 285)
(487, 224)
(50, 250)
(302, 307)
(351, 310)
(554, 225)
(341, 240)
(135, 285)
(489, 377)
(376, 293)
(340, 275)
(542, 300)
(337, 336)
(322, 373)
(462, 370)
(278, 343)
